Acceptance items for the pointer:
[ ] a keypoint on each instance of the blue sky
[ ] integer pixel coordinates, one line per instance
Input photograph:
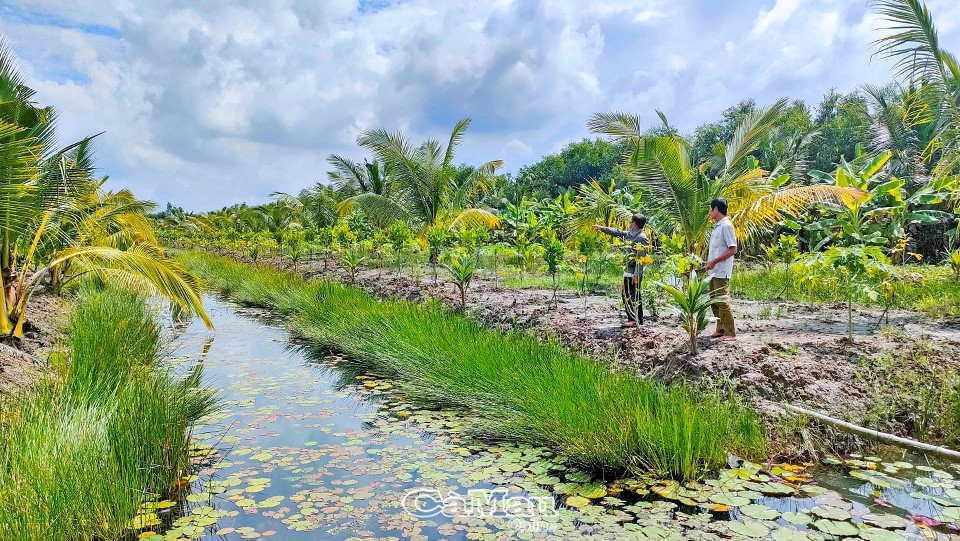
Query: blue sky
(208, 103)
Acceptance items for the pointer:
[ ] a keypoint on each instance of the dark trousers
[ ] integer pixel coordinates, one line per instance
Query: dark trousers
(632, 303)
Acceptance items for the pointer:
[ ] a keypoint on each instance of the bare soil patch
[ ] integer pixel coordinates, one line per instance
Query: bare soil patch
(17, 371)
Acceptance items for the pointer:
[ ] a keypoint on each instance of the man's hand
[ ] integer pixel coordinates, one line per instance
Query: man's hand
(596, 227)
(710, 265)
(636, 279)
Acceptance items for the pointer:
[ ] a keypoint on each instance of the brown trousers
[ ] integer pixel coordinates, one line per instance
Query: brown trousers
(720, 287)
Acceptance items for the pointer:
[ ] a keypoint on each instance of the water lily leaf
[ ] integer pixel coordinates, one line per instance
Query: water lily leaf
(877, 534)
(829, 512)
(951, 514)
(724, 498)
(577, 501)
(592, 490)
(776, 489)
(799, 519)
(749, 529)
(789, 534)
(759, 512)
(884, 520)
(833, 527)
(565, 488)
(578, 476)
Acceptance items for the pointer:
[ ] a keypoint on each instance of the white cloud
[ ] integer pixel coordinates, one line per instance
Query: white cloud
(211, 103)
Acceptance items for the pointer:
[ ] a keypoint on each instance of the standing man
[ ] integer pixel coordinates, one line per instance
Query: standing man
(723, 248)
(636, 248)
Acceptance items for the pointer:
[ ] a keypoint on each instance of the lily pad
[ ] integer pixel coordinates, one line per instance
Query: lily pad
(878, 534)
(799, 519)
(724, 498)
(577, 501)
(759, 512)
(749, 529)
(789, 534)
(592, 490)
(884, 520)
(951, 514)
(837, 528)
(829, 512)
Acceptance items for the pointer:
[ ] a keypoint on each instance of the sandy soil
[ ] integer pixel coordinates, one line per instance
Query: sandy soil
(785, 351)
(40, 330)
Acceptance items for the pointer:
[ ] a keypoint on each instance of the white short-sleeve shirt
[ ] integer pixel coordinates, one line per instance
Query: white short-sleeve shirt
(722, 237)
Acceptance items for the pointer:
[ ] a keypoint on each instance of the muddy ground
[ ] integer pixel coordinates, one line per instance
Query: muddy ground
(17, 371)
(785, 351)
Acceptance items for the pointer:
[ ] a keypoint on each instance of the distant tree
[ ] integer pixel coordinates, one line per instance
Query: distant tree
(576, 164)
(843, 122)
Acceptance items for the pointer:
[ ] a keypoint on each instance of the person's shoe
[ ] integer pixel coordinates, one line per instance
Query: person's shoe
(715, 335)
(729, 338)
(628, 324)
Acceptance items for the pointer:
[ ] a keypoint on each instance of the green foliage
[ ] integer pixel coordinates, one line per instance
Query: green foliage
(353, 258)
(691, 302)
(862, 270)
(105, 437)
(514, 385)
(461, 267)
(954, 261)
(553, 257)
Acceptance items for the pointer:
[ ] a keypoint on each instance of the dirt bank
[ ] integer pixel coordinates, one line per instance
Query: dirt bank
(16, 370)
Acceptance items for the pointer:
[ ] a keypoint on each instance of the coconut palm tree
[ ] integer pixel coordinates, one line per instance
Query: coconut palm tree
(914, 45)
(350, 178)
(49, 218)
(676, 192)
(424, 189)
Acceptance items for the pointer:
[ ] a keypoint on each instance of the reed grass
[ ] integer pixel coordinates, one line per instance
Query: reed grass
(514, 386)
(81, 453)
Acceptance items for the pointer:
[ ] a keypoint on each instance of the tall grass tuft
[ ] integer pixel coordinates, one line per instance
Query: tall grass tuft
(81, 454)
(515, 386)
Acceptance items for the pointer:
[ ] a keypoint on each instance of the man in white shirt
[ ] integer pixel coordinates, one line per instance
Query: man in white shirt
(723, 248)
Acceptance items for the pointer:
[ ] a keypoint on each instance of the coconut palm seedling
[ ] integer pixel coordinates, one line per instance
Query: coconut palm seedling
(461, 268)
(691, 301)
(353, 258)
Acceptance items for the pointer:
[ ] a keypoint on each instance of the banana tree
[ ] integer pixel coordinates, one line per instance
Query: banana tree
(882, 215)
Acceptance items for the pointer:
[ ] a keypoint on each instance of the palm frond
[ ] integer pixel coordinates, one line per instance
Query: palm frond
(142, 264)
(765, 212)
(474, 218)
(456, 137)
(750, 133)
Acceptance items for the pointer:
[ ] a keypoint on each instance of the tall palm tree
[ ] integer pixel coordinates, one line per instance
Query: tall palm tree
(350, 178)
(914, 44)
(424, 189)
(47, 219)
(677, 192)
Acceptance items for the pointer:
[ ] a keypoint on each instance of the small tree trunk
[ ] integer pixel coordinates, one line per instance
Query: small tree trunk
(850, 318)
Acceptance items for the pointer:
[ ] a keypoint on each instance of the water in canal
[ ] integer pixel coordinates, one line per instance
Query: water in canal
(303, 449)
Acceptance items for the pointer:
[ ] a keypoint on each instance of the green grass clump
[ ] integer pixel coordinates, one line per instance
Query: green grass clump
(83, 452)
(516, 387)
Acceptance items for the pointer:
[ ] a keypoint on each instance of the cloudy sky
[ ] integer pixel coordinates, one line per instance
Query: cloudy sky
(208, 103)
